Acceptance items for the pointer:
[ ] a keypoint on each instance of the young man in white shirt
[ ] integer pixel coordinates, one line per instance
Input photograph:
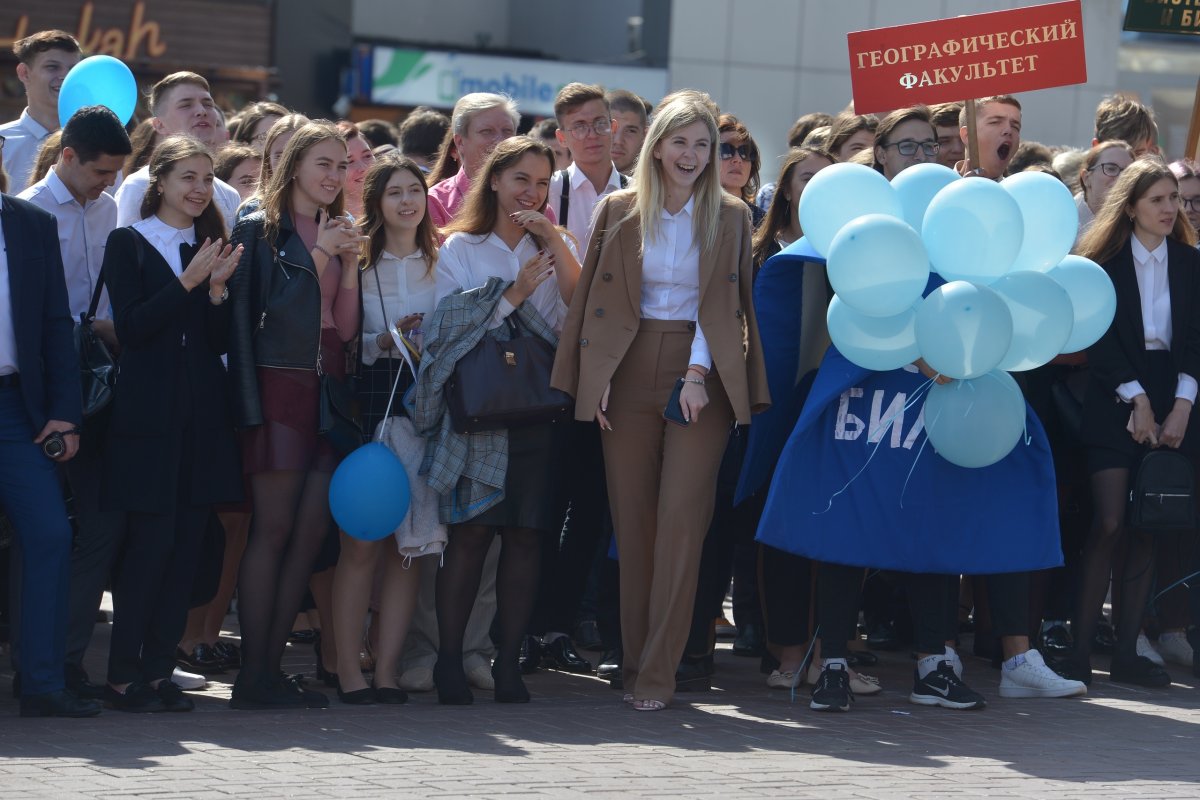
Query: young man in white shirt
(182, 104)
(585, 128)
(632, 117)
(94, 149)
(44, 59)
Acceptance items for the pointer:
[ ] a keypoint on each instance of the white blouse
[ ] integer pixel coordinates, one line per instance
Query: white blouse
(166, 239)
(405, 287)
(671, 277)
(1154, 295)
(466, 261)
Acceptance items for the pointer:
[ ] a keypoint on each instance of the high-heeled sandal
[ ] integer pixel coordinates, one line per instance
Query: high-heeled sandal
(649, 705)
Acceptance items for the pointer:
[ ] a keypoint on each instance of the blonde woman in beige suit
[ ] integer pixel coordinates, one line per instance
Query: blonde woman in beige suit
(662, 316)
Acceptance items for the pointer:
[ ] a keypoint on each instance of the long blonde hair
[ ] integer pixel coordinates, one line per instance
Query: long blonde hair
(278, 192)
(1113, 226)
(649, 184)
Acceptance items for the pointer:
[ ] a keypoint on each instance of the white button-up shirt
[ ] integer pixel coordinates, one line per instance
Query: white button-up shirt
(133, 188)
(8, 335)
(1150, 268)
(466, 261)
(166, 240)
(405, 286)
(581, 201)
(23, 137)
(671, 277)
(82, 234)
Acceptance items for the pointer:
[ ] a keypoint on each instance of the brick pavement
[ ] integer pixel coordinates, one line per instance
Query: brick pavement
(577, 739)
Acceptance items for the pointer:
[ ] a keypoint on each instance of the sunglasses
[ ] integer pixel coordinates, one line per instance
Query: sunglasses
(728, 151)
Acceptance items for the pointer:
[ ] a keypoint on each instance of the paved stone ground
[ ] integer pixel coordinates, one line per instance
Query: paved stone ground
(577, 739)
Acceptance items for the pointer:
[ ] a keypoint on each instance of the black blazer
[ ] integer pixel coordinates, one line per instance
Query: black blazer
(172, 396)
(41, 315)
(1120, 354)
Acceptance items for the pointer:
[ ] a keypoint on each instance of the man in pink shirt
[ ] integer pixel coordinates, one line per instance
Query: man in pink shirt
(480, 121)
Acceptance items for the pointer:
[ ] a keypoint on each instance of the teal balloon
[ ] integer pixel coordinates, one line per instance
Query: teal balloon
(963, 330)
(1042, 317)
(975, 423)
(876, 343)
(98, 81)
(838, 194)
(972, 230)
(916, 187)
(1092, 296)
(1050, 217)
(369, 493)
(877, 265)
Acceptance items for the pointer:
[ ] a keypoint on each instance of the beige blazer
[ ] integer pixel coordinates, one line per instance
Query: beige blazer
(603, 319)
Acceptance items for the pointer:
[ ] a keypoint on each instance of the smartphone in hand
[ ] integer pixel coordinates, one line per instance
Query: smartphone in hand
(674, 410)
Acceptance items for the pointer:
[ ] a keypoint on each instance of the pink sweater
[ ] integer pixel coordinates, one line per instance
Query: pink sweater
(340, 308)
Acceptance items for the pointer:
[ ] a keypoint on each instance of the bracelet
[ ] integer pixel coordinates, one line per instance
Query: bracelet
(697, 381)
(216, 301)
(320, 249)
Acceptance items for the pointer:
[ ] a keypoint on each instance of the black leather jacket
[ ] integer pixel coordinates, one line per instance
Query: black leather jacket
(276, 297)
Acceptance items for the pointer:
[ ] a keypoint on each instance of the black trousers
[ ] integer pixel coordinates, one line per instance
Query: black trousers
(787, 596)
(837, 608)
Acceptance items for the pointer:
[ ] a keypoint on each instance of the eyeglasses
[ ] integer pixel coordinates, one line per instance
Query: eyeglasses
(1108, 168)
(601, 126)
(907, 147)
(728, 151)
(1190, 203)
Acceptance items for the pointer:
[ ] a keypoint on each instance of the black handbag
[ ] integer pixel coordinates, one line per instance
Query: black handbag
(339, 417)
(1163, 495)
(505, 384)
(97, 366)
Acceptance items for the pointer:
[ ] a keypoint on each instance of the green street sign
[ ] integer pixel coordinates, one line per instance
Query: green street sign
(1163, 16)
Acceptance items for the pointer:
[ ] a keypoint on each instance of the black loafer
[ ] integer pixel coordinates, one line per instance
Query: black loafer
(138, 698)
(61, 703)
(270, 697)
(749, 641)
(1139, 671)
(390, 696)
(561, 655)
(530, 658)
(862, 658)
(358, 697)
(1105, 640)
(610, 664)
(1056, 639)
(173, 698)
(883, 637)
(201, 659)
(77, 681)
(694, 674)
(230, 655)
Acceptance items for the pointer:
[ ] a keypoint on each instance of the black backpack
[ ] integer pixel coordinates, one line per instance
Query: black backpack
(1163, 494)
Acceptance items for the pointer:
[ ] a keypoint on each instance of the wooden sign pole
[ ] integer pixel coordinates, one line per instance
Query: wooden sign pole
(972, 137)
(1192, 148)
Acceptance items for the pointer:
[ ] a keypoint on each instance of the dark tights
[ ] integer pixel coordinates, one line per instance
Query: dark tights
(1111, 550)
(516, 590)
(291, 520)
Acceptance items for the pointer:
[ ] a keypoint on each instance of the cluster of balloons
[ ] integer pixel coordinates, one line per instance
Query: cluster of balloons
(1012, 299)
(98, 81)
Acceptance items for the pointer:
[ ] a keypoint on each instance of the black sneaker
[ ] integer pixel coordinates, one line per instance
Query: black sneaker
(943, 688)
(832, 692)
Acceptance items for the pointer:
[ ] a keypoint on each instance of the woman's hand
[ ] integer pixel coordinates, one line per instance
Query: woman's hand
(201, 265)
(692, 398)
(1141, 426)
(931, 373)
(535, 222)
(224, 263)
(1175, 427)
(605, 425)
(409, 323)
(531, 275)
(337, 236)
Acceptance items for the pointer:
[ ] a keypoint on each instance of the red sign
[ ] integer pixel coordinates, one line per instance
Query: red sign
(1001, 52)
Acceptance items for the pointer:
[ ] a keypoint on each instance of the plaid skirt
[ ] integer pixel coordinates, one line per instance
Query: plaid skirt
(375, 387)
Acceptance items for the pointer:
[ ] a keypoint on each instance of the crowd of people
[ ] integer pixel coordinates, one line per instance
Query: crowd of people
(620, 241)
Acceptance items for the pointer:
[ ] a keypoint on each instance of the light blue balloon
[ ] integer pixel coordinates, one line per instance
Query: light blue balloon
(963, 330)
(877, 265)
(1050, 216)
(98, 81)
(975, 423)
(838, 194)
(876, 343)
(1092, 296)
(972, 230)
(1042, 317)
(369, 493)
(916, 187)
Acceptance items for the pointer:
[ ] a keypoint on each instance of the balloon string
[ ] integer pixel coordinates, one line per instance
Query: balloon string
(887, 423)
(1025, 424)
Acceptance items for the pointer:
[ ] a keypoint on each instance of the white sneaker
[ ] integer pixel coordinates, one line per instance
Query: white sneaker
(1174, 648)
(417, 679)
(188, 681)
(782, 680)
(1144, 648)
(1034, 679)
(480, 677)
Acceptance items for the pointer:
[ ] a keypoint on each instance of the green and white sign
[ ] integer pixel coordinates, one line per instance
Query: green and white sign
(1163, 16)
(410, 77)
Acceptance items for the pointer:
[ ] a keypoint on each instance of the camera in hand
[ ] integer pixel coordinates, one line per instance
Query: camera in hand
(54, 445)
